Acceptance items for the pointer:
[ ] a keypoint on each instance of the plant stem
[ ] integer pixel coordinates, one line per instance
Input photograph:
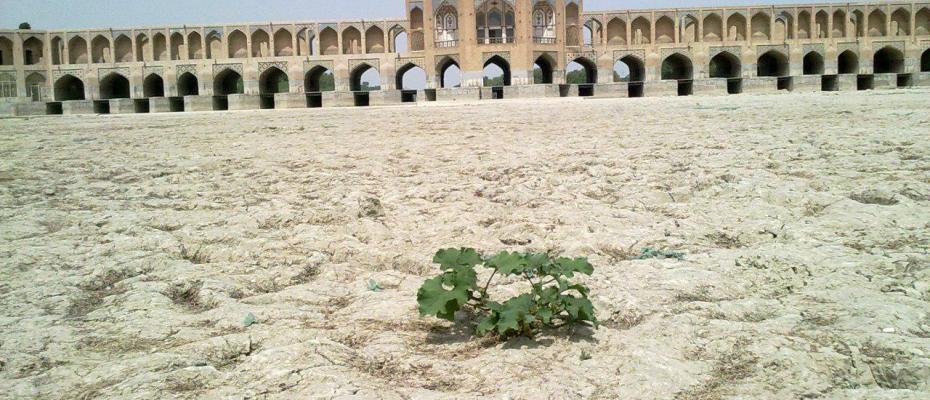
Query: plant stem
(484, 292)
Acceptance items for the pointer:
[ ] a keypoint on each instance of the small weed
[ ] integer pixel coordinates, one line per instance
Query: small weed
(187, 294)
(554, 301)
(249, 320)
(196, 257)
(374, 286)
(650, 253)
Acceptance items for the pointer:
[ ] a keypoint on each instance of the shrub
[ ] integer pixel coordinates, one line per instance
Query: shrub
(552, 302)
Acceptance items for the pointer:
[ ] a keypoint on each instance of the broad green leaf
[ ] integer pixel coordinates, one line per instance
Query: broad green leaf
(508, 263)
(451, 258)
(486, 325)
(545, 315)
(514, 313)
(579, 309)
(564, 286)
(570, 266)
(438, 301)
(536, 261)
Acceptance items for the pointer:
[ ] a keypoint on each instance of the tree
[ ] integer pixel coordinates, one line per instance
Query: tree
(25, 26)
(577, 77)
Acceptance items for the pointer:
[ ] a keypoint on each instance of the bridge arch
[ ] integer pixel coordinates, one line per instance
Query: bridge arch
(725, 65)
(114, 86)
(773, 63)
(69, 87)
(228, 82)
(813, 63)
(677, 67)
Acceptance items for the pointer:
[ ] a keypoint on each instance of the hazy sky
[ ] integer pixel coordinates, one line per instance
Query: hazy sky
(75, 14)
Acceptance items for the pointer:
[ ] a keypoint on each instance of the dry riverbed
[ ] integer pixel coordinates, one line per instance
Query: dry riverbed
(133, 249)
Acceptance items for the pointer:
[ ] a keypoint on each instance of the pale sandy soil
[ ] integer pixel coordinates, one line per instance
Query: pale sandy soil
(132, 249)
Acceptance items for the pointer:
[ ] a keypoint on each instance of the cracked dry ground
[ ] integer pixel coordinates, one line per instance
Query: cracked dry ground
(133, 248)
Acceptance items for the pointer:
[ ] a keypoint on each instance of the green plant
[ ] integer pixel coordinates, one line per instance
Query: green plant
(552, 302)
(649, 252)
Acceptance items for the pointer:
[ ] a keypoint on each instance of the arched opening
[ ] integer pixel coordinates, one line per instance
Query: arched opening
(272, 81)
(261, 44)
(925, 61)
(77, 50)
(69, 88)
(544, 30)
(616, 32)
(772, 63)
(214, 46)
(761, 27)
(857, 20)
(689, 29)
(143, 48)
(629, 69)
(677, 67)
(238, 45)
(228, 82)
(573, 25)
(713, 28)
(450, 75)
(725, 65)
(304, 42)
(416, 29)
(594, 35)
(587, 35)
(581, 71)
(813, 63)
(374, 40)
(114, 86)
(123, 46)
(329, 42)
(495, 22)
(161, 47)
(839, 24)
(398, 40)
(784, 27)
(365, 78)
(100, 50)
(35, 86)
(821, 26)
(177, 44)
(877, 24)
(901, 22)
(7, 85)
(888, 60)
(411, 77)
(447, 25)
(542, 69)
(32, 51)
(496, 72)
(642, 32)
(319, 79)
(57, 50)
(351, 41)
(194, 46)
(922, 22)
(804, 25)
(736, 27)
(283, 43)
(848, 63)
(188, 85)
(665, 30)
(153, 86)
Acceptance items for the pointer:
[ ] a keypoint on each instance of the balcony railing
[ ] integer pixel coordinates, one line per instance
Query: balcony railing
(543, 40)
(495, 40)
(444, 44)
